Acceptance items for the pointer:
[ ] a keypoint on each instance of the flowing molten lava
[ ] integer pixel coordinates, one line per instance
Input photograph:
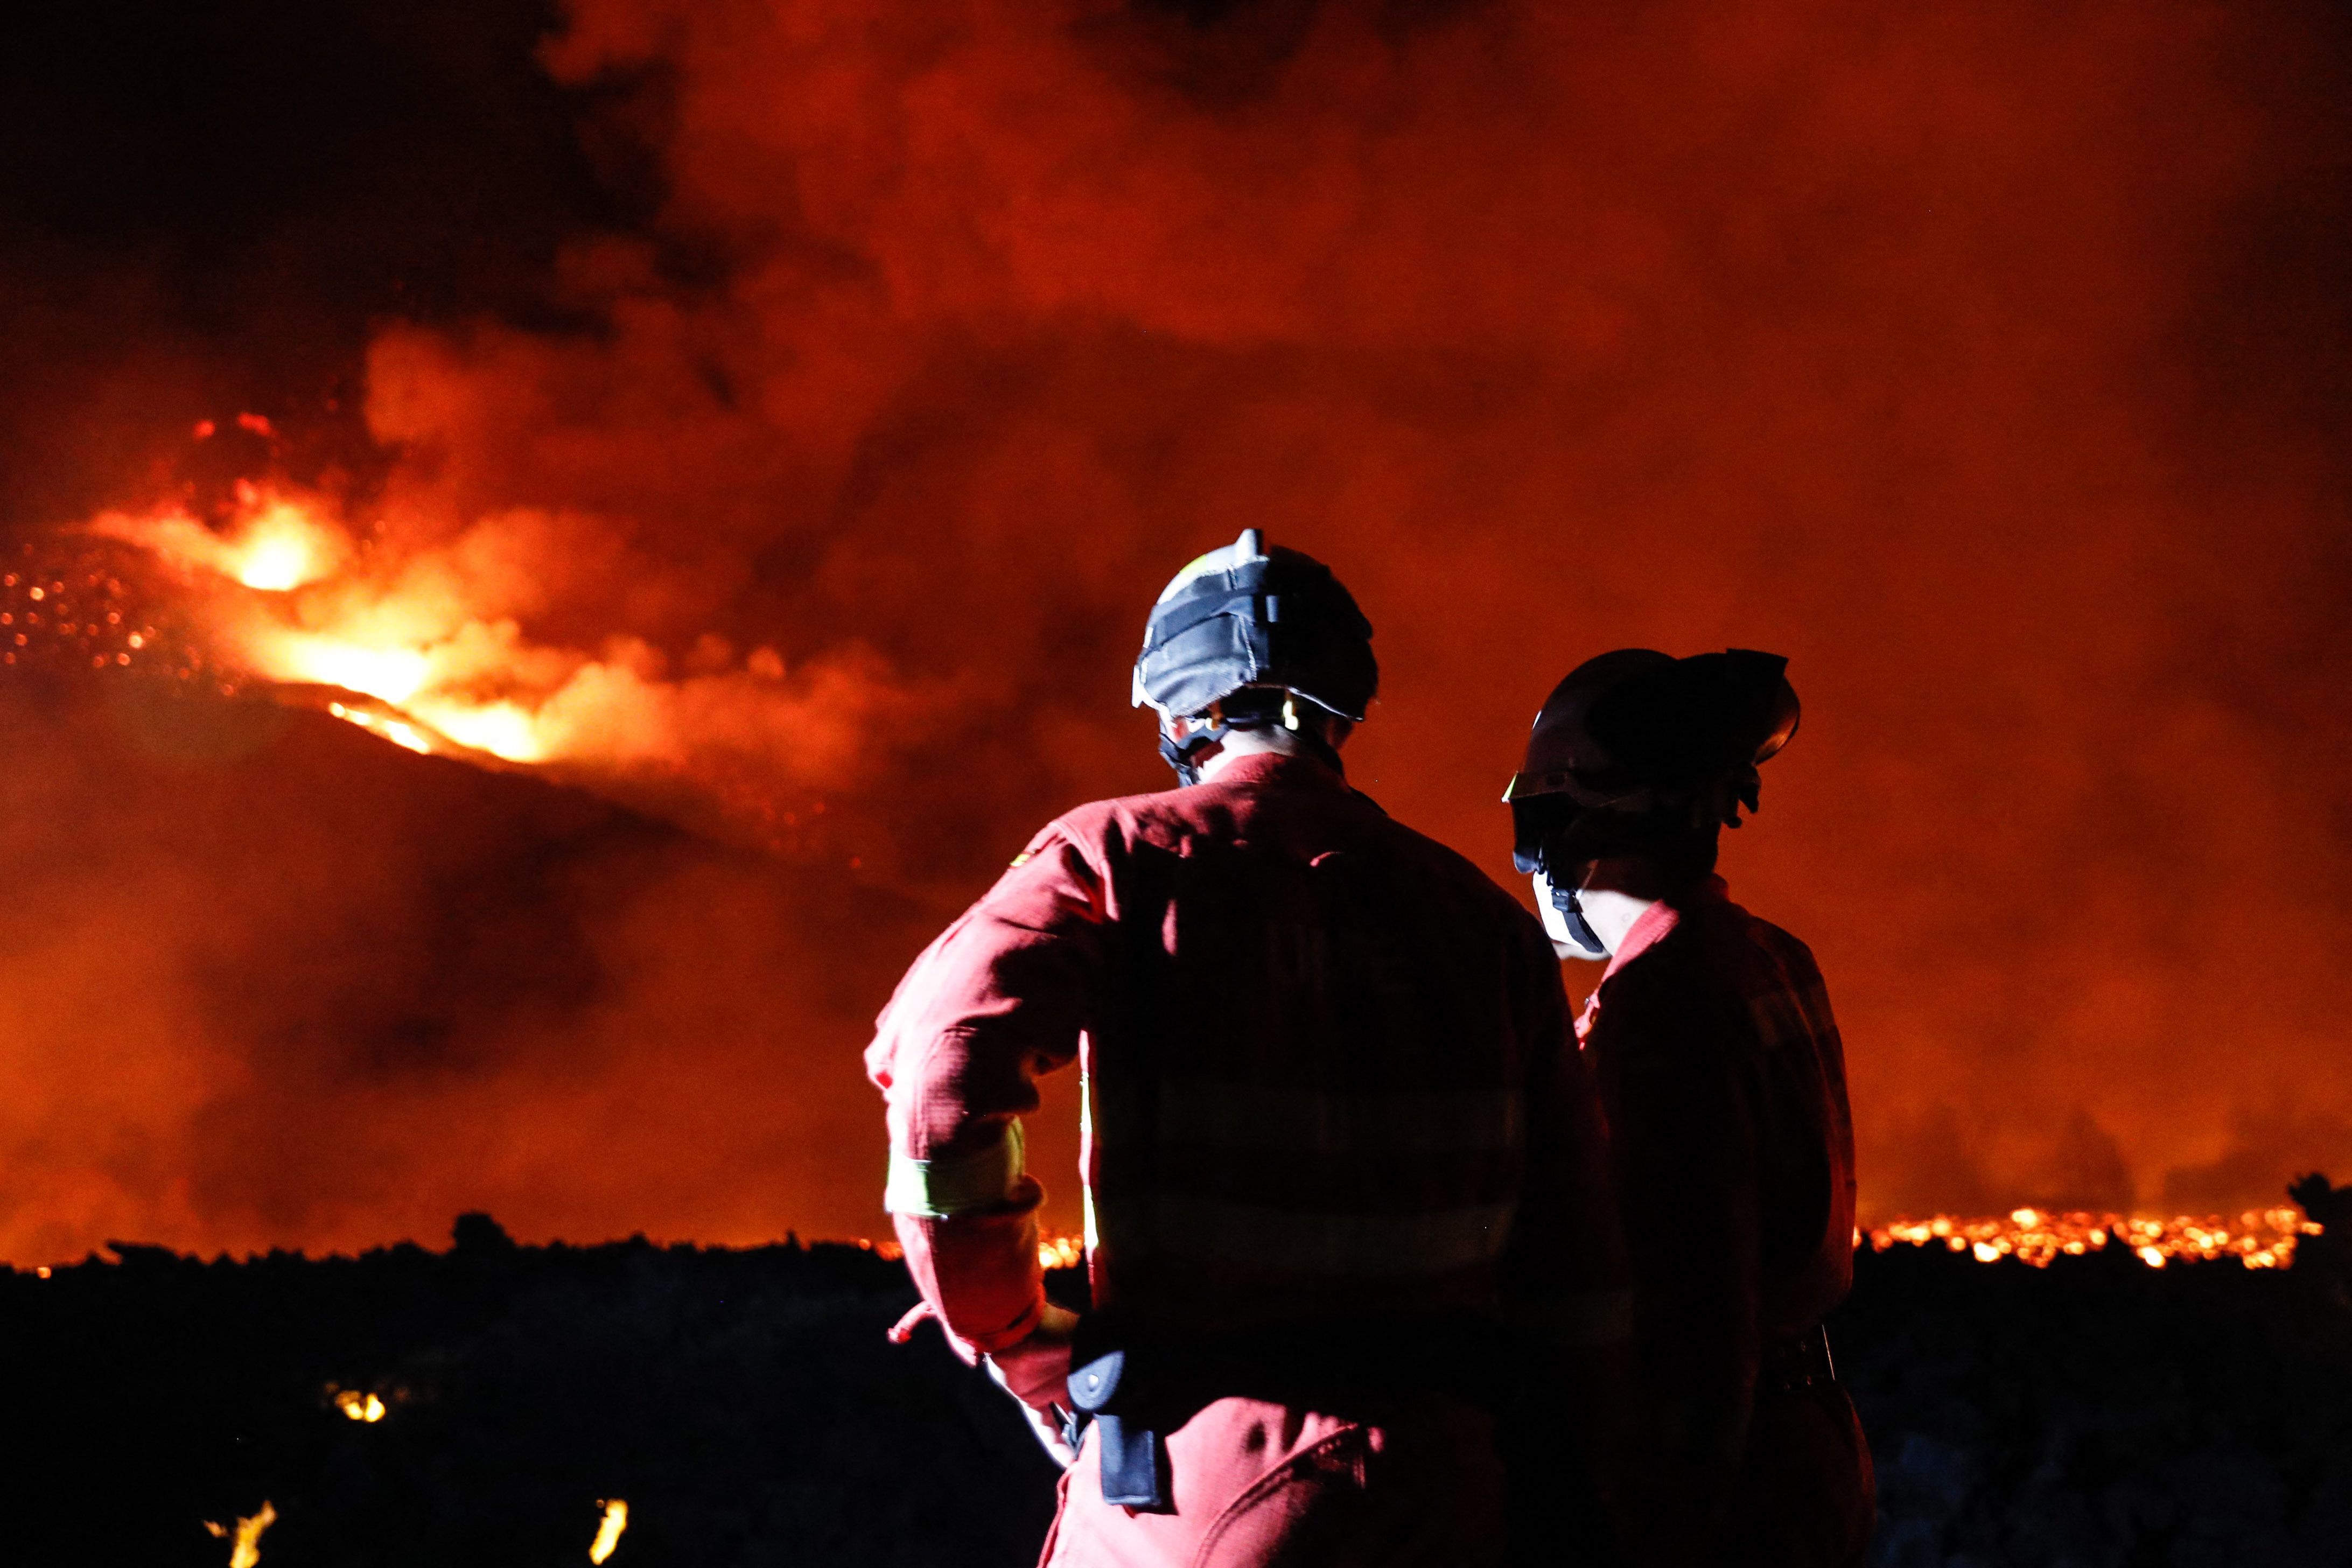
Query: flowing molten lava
(1054, 1251)
(2260, 1239)
(310, 615)
(425, 644)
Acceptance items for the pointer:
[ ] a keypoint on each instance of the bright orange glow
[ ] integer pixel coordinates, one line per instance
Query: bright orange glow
(2259, 1240)
(282, 549)
(394, 674)
(501, 729)
(1053, 1251)
(285, 596)
(608, 1532)
(360, 1406)
(1922, 351)
(245, 1549)
(275, 541)
(409, 649)
(399, 734)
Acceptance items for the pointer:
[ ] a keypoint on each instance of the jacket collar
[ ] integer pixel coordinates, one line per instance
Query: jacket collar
(1278, 768)
(1660, 917)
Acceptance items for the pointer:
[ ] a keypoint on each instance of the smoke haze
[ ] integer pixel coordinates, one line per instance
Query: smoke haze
(1989, 363)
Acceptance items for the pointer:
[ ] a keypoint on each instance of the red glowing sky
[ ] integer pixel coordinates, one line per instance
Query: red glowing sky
(1988, 364)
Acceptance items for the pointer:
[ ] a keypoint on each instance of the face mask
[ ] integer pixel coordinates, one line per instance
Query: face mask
(1564, 918)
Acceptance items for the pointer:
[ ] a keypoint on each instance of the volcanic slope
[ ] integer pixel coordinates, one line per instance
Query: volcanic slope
(268, 980)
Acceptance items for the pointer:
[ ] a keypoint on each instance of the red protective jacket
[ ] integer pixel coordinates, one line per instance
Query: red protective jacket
(1324, 1069)
(1723, 1079)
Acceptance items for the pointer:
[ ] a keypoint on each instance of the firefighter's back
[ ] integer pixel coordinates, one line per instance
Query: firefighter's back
(1723, 1077)
(1330, 1105)
(1309, 1094)
(1308, 1091)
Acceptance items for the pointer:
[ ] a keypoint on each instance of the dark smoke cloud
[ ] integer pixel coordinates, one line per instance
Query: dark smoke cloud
(1988, 363)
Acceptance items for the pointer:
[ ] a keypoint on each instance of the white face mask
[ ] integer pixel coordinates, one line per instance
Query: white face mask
(1567, 939)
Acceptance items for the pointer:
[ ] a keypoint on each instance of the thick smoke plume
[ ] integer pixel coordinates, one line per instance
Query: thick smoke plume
(1986, 361)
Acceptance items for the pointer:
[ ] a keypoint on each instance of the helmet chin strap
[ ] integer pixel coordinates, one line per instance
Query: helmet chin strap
(1182, 739)
(1202, 731)
(1571, 915)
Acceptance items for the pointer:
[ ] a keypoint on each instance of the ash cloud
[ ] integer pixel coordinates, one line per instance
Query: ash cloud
(1985, 362)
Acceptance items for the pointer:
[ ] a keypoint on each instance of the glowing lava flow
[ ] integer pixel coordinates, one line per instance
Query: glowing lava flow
(1053, 1251)
(245, 1550)
(608, 1533)
(308, 617)
(2264, 1239)
(418, 630)
(357, 1406)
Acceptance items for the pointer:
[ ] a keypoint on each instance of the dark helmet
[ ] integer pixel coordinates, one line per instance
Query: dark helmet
(1239, 635)
(1638, 752)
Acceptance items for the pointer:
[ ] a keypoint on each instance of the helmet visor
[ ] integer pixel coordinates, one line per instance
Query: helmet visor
(1538, 823)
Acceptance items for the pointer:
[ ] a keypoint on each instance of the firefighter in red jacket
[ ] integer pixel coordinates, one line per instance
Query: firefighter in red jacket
(1723, 1084)
(1334, 1128)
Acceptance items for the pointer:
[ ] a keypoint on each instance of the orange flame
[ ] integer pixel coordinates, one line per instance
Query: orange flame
(608, 1532)
(277, 540)
(360, 1406)
(287, 594)
(245, 1550)
(411, 644)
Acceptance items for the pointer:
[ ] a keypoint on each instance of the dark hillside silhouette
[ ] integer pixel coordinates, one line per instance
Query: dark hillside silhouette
(746, 1405)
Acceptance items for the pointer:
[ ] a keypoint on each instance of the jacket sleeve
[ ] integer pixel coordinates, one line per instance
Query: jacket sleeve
(999, 999)
(1682, 1151)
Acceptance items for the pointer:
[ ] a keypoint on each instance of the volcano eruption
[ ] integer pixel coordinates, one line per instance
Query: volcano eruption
(738, 442)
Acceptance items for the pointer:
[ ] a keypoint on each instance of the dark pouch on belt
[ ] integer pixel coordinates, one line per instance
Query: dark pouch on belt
(1132, 1457)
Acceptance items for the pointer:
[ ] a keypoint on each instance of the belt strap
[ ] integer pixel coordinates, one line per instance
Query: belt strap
(1134, 1463)
(1801, 1362)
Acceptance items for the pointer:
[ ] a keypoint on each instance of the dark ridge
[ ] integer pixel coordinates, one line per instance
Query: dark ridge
(748, 1408)
(745, 1404)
